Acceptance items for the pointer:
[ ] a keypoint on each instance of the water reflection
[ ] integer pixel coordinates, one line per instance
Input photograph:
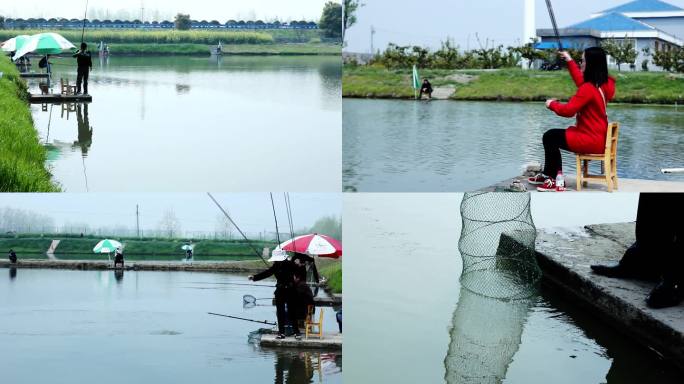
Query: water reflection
(182, 89)
(630, 362)
(12, 273)
(119, 275)
(303, 367)
(85, 130)
(485, 335)
(263, 104)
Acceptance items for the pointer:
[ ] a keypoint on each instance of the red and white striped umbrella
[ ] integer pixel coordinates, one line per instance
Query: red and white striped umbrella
(314, 244)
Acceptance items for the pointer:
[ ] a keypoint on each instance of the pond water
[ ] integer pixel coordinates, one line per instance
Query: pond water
(196, 124)
(409, 321)
(397, 145)
(144, 327)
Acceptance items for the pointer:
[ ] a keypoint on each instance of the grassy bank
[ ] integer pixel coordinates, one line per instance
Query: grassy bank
(77, 248)
(22, 158)
(240, 49)
(509, 84)
(333, 273)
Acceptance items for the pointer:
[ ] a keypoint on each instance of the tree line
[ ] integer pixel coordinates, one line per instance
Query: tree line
(450, 56)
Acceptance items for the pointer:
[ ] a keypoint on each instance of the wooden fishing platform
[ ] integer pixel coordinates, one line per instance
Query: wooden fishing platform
(329, 341)
(34, 75)
(59, 99)
(565, 254)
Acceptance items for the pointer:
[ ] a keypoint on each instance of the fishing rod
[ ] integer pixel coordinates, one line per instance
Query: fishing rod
(275, 218)
(238, 228)
(555, 25)
(245, 284)
(85, 14)
(242, 318)
(288, 205)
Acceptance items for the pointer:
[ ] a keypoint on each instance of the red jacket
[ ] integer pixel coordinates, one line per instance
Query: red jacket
(589, 136)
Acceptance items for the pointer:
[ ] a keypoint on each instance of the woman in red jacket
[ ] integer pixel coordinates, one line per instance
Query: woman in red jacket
(594, 89)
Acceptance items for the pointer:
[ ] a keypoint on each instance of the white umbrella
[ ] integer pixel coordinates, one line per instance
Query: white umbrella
(45, 44)
(188, 247)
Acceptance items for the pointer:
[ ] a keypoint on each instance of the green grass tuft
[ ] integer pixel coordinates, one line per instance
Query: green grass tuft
(333, 273)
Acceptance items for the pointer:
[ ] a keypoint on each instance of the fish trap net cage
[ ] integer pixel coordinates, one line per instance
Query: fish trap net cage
(497, 245)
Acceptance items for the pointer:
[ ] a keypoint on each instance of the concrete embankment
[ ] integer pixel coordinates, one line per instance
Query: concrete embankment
(565, 256)
(230, 266)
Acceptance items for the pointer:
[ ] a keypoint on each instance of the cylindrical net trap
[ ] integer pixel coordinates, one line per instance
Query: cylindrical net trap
(497, 245)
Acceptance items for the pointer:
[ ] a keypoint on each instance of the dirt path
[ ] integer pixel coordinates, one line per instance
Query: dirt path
(443, 93)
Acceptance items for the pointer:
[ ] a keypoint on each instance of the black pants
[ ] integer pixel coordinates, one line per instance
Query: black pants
(554, 141)
(426, 91)
(659, 247)
(82, 76)
(281, 312)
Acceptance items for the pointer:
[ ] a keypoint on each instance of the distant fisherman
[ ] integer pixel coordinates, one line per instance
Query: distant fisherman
(426, 88)
(119, 258)
(85, 65)
(12, 256)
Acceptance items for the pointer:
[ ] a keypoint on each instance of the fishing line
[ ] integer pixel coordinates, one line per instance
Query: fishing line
(238, 228)
(243, 318)
(288, 207)
(47, 138)
(275, 218)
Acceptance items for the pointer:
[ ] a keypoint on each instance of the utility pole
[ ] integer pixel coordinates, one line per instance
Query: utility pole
(142, 13)
(372, 34)
(137, 220)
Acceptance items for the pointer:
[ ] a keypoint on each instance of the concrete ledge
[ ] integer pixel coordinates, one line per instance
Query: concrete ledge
(565, 255)
(235, 266)
(329, 341)
(624, 185)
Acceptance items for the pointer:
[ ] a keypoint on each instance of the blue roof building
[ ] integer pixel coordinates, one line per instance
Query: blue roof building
(652, 24)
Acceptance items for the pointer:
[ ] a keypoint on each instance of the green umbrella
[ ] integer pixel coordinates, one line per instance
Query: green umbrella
(15, 43)
(44, 44)
(107, 246)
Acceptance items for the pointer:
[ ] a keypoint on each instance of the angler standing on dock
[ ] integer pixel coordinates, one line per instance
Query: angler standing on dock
(283, 270)
(85, 65)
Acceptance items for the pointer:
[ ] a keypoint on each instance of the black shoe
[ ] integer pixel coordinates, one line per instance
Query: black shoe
(664, 295)
(620, 271)
(298, 336)
(280, 336)
(616, 270)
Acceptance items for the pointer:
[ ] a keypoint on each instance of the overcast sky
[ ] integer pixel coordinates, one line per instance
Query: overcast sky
(198, 9)
(428, 22)
(252, 212)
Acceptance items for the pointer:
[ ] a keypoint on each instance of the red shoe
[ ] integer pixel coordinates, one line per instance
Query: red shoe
(548, 186)
(538, 179)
